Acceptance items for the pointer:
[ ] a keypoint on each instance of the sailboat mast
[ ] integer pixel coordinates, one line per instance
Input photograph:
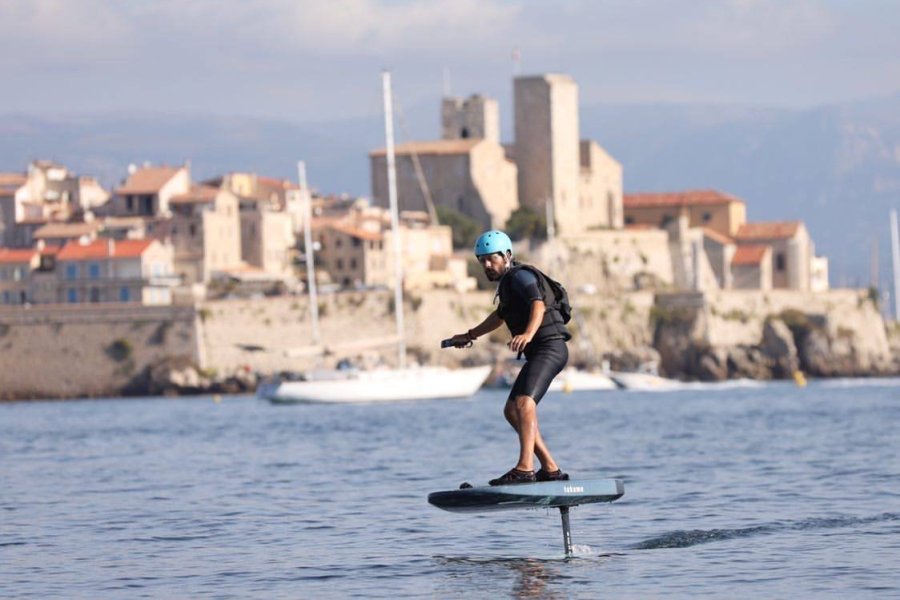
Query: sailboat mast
(395, 216)
(895, 254)
(310, 254)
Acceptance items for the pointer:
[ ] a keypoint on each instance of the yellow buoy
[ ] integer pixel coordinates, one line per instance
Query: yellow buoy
(799, 378)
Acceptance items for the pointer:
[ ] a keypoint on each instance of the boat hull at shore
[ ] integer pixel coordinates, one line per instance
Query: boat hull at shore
(379, 385)
(576, 380)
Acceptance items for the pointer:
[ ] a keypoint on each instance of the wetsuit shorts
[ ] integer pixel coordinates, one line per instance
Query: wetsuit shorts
(545, 359)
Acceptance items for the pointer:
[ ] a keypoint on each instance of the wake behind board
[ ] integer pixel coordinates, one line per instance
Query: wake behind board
(547, 494)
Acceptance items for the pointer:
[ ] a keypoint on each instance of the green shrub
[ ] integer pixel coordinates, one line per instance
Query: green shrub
(119, 350)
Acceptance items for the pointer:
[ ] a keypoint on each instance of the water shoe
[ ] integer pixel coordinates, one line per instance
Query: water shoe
(513, 477)
(556, 475)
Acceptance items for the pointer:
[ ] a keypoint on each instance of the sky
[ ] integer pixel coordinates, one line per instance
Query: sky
(320, 60)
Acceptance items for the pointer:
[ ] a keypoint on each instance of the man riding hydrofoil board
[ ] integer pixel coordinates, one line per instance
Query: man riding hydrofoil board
(528, 307)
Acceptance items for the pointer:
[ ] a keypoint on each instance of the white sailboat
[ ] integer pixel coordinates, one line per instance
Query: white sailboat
(572, 379)
(379, 385)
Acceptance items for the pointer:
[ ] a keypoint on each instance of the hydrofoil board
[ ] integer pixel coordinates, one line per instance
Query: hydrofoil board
(546, 494)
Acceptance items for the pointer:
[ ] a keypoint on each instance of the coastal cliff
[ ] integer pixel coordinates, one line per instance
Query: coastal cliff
(772, 334)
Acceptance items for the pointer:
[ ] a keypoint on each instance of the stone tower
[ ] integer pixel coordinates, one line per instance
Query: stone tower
(476, 117)
(547, 146)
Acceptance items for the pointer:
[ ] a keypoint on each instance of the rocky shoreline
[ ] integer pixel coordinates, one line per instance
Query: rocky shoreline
(792, 342)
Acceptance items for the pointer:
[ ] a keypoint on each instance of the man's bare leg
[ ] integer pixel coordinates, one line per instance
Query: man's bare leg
(524, 410)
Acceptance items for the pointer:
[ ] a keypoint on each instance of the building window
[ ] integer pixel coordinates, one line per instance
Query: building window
(192, 229)
(72, 296)
(95, 295)
(707, 217)
(340, 264)
(629, 220)
(129, 203)
(779, 261)
(5, 297)
(666, 220)
(17, 273)
(71, 271)
(353, 264)
(356, 242)
(94, 270)
(124, 295)
(338, 242)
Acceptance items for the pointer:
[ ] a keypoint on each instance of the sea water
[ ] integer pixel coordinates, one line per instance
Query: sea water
(772, 491)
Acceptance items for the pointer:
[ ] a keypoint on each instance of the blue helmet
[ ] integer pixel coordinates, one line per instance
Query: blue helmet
(492, 241)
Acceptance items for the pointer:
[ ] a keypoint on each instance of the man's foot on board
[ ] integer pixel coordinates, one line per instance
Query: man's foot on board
(513, 477)
(556, 475)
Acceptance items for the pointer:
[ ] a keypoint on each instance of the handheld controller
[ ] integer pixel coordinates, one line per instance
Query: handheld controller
(448, 343)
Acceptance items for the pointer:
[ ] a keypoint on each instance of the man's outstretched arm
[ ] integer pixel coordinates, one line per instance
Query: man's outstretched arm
(490, 323)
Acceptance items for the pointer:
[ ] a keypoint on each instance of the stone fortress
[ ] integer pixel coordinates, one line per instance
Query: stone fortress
(470, 171)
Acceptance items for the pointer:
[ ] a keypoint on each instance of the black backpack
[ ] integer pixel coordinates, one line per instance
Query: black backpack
(560, 295)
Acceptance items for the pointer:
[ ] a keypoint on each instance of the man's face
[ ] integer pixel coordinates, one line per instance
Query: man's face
(495, 265)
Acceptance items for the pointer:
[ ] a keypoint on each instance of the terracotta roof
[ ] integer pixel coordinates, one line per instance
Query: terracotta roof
(432, 147)
(363, 234)
(326, 221)
(148, 180)
(197, 194)
(749, 255)
(16, 255)
(101, 249)
(53, 230)
(679, 199)
(716, 236)
(10, 182)
(10, 179)
(768, 230)
(284, 184)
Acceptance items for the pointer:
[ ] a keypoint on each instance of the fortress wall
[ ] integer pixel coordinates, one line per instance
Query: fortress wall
(63, 351)
(96, 350)
(274, 334)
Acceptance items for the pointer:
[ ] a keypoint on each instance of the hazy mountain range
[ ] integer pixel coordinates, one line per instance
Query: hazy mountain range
(835, 167)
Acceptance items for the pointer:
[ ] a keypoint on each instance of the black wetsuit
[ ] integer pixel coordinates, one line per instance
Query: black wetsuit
(546, 355)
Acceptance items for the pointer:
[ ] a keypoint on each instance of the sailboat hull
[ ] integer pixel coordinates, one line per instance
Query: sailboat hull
(381, 385)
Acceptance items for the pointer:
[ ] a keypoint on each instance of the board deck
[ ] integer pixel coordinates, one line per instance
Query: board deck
(548, 494)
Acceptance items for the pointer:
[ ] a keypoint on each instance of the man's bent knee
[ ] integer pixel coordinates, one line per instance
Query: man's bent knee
(524, 404)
